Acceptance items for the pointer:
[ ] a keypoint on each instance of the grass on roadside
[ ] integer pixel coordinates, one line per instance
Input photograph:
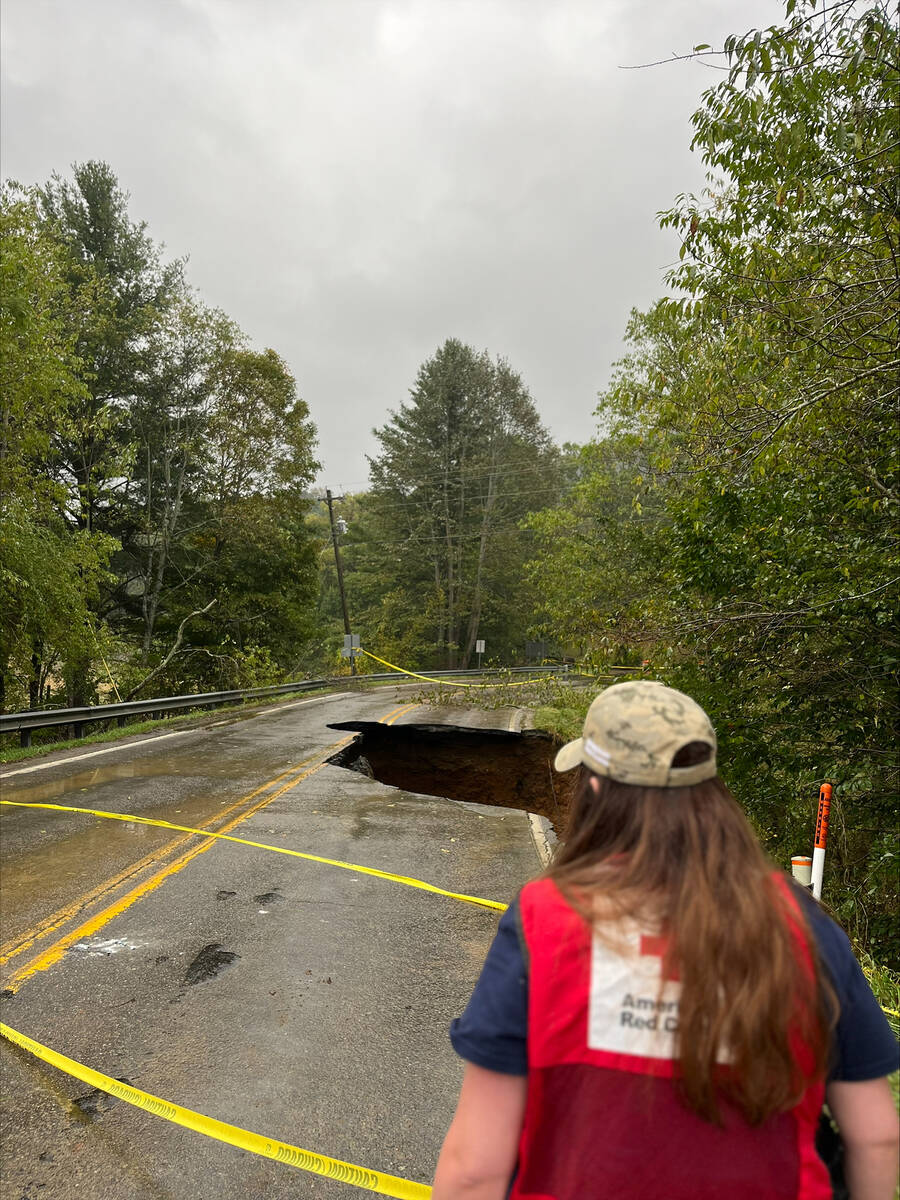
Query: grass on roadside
(545, 694)
(14, 754)
(885, 983)
(565, 721)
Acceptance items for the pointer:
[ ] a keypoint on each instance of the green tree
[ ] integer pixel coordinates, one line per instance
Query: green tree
(796, 244)
(791, 527)
(115, 259)
(188, 447)
(39, 369)
(459, 467)
(49, 583)
(118, 288)
(244, 542)
(48, 579)
(170, 421)
(765, 406)
(602, 568)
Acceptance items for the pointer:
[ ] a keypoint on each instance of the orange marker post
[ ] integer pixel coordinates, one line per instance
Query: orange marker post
(818, 861)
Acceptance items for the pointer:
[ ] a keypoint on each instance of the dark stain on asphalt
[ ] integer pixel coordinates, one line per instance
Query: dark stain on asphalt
(269, 897)
(224, 894)
(208, 963)
(89, 1106)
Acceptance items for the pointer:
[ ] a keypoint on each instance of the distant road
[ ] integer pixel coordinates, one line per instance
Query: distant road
(287, 997)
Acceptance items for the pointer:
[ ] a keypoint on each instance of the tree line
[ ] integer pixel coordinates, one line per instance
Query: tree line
(738, 521)
(154, 466)
(733, 522)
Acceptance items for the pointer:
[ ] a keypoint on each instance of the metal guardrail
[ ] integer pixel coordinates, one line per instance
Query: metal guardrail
(24, 722)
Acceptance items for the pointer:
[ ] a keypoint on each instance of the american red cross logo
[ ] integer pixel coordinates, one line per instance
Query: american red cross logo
(655, 947)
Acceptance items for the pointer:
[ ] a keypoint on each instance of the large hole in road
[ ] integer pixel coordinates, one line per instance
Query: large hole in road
(483, 766)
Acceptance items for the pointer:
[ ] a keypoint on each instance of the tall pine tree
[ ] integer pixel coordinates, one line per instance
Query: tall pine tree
(460, 465)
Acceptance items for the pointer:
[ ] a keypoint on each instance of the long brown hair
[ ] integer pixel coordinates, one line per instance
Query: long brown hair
(686, 859)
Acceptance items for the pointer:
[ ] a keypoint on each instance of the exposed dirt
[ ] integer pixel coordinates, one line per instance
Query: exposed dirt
(484, 766)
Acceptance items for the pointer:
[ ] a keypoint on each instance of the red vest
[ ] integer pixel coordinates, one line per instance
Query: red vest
(603, 1118)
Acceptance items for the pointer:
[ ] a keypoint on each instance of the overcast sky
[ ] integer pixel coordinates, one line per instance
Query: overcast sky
(354, 181)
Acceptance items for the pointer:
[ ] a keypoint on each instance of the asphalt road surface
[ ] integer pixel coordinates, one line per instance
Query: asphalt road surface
(291, 998)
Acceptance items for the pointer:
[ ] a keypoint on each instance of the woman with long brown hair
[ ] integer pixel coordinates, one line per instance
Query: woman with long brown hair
(663, 1013)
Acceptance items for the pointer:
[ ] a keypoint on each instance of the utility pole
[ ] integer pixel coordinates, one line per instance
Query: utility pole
(340, 573)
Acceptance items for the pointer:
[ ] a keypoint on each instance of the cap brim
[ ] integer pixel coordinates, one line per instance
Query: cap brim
(569, 756)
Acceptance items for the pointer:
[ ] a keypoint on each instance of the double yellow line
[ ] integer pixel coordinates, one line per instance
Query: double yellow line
(357, 868)
(363, 1177)
(391, 717)
(52, 954)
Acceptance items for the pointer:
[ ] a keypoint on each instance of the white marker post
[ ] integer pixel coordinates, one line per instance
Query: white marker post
(818, 859)
(801, 869)
(479, 650)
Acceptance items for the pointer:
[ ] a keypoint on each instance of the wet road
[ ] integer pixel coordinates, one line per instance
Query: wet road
(294, 999)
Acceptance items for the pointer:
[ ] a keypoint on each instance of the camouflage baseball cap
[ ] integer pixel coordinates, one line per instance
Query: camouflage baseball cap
(632, 732)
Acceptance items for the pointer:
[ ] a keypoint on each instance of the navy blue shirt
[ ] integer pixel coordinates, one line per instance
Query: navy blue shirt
(493, 1030)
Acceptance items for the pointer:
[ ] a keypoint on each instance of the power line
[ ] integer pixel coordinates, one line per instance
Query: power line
(378, 505)
(414, 503)
(476, 469)
(424, 539)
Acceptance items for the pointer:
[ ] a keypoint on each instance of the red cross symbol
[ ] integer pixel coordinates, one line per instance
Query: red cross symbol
(656, 947)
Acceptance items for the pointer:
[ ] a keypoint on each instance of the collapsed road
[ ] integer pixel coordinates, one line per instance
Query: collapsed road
(287, 997)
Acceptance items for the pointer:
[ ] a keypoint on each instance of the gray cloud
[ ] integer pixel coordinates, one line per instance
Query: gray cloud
(354, 182)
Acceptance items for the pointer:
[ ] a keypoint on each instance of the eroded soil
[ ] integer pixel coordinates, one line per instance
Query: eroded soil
(481, 766)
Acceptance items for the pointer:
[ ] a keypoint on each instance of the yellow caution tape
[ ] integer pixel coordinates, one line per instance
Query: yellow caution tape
(406, 880)
(448, 682)
(306, 1160)
(226, 837)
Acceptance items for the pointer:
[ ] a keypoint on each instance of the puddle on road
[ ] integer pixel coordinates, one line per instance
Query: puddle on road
(194, 764)
(65, 848)
(482, 766)
(48, 790)
(43, 871)
(51, 872)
